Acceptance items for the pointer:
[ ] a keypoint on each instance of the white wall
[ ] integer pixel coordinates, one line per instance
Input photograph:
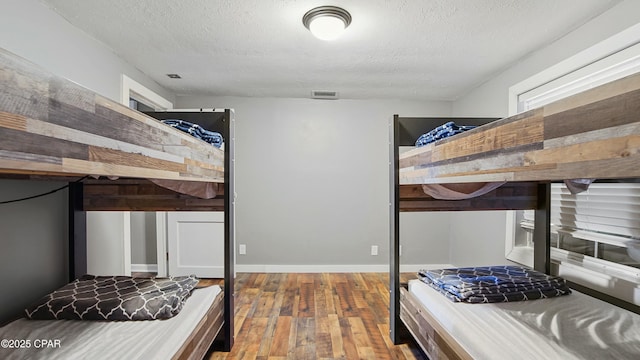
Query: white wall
(143, 238)
(312, 183)
(491, 98)
(477, 238)
(33, 244)
(34, 236)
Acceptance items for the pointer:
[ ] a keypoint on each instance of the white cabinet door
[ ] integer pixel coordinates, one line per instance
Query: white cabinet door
(196, 243)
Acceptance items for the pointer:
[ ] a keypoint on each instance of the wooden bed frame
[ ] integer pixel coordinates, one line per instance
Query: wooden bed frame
(200, 340)
(52, 128)
(594, 134)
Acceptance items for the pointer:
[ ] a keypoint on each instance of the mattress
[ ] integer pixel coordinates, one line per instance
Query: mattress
(73, 339)
(576, 326)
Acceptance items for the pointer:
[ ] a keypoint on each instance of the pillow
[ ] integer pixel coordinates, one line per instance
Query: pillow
(115, 298)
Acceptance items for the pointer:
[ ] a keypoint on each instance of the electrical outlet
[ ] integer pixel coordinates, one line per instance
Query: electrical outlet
(374, 249)
(400, 252)
(242, 249)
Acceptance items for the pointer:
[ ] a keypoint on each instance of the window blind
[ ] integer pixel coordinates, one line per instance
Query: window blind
(602, 222)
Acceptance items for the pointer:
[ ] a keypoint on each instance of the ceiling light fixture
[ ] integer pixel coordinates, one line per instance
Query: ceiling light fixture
(327, 22)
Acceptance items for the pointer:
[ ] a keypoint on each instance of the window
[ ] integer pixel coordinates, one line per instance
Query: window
(595, 235)
(139, 97)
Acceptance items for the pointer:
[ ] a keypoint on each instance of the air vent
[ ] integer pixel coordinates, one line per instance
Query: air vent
(324, 94)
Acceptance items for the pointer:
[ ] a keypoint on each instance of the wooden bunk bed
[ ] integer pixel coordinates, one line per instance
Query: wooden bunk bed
(594, 134)
(54, 129)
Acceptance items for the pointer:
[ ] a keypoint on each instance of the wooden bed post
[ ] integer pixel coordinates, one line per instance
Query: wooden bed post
(394, 230)
(542, 230)
(229, 230)
(77, 232)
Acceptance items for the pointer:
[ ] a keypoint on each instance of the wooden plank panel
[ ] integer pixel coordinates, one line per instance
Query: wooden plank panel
(109, 156)
(305, 346)
(624, 167)
(24, 142)
(43, 117)
(202, 337)
(627, 84)
(24, 87)
(614, 111)
(572, 138)
(280, 345)
(608, 149)
(360, 336)
(13, 121)
(375, 341)
(47, 129)
(594, 135)
(524, 129)
(348, 342)
(324, 347)
(269, 332)
(306, 305)
(419, 156)
(345, 299)
(335, 331)
(431, 336)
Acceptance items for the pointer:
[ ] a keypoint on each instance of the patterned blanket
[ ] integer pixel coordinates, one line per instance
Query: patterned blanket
(115, 298)
(441, 132)
(494, 284)
(195, 130)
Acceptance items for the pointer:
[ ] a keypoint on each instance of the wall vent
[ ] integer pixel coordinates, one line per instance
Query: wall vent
(324, 94)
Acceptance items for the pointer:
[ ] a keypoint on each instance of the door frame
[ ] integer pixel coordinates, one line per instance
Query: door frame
(132, 89)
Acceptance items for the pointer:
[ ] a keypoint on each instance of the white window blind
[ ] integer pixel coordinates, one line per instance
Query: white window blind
(602, 222)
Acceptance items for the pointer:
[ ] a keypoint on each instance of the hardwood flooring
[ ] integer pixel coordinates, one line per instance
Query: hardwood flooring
(313, 316)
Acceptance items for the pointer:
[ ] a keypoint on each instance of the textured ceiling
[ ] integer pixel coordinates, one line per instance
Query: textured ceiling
(400, 49)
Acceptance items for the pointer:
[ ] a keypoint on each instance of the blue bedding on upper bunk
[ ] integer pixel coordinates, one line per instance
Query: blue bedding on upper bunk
(195, 130)
(490, 284)
(441, 132)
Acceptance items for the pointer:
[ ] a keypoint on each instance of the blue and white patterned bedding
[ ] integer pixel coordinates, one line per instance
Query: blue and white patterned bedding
(195, 130)
(490, 284)
(441, 132)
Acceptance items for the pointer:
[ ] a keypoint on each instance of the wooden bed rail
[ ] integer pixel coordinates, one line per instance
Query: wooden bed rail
(510, 196)
(141, 195)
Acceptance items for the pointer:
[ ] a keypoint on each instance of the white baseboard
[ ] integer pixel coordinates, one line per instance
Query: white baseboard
(144, 268)
(331, 268)
(417, 267)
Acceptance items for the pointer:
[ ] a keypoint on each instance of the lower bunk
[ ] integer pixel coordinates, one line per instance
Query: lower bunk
(187, 335)
(576, 326)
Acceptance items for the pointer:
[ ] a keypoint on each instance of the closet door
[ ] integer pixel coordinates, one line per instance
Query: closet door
(195, 243)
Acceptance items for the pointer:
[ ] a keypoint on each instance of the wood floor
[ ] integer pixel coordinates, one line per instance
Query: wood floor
(314, 316)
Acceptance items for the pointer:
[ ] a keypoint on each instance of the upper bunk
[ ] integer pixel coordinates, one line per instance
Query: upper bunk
(53, 128)
(594, 134)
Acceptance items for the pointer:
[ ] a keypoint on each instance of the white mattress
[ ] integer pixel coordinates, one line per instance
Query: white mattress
(575, 326)
(157, 339)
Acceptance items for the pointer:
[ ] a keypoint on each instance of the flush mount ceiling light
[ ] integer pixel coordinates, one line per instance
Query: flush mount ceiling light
(327, 22)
